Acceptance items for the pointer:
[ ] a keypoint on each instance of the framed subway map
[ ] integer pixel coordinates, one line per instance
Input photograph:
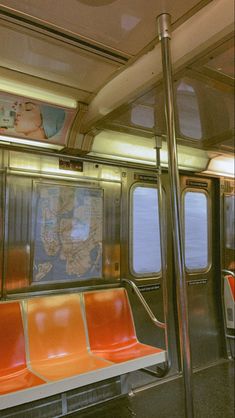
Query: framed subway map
(68, 226)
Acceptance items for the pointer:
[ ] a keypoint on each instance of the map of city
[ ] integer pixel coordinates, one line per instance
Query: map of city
(68, 233)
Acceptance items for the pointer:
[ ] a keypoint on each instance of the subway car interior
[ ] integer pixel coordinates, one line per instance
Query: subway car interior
(117, 202)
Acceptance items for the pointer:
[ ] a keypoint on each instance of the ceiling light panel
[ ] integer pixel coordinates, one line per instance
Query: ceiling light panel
(31, 53)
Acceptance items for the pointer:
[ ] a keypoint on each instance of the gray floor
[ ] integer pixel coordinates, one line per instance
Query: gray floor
(213, 398)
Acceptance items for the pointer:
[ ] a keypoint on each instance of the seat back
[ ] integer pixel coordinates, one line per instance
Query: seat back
(109, 319)
(231, 280)
(55, 327)
(12, 345)
(229, 299)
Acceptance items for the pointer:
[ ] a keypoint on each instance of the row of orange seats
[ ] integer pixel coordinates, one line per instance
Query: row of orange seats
(49, 338)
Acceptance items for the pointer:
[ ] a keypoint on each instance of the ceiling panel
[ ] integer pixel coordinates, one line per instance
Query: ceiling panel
(24, 51)
(223, 63)
(204, 112)
(124, 25)
(16, 82)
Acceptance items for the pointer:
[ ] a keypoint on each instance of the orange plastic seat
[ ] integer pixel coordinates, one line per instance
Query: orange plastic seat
(229, 299)
(111, 328)
(231, 281)
(57, 340)
(14, 374)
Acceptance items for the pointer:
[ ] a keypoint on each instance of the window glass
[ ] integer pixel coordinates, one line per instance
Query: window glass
(196, 230)
(143, 116)
(188, 111)
(145, 231)
(229, 222)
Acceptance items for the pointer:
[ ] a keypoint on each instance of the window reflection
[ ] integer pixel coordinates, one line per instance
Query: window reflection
(188, 111)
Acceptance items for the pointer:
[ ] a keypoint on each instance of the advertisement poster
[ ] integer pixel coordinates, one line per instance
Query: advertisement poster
(34, 120)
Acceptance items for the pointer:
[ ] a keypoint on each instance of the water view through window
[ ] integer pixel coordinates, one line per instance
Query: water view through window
(145, 231)
(196, 230)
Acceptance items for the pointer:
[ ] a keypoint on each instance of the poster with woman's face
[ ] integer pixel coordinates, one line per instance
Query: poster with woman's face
(31, 119)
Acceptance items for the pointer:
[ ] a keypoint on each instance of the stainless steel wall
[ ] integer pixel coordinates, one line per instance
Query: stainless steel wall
(205, 320)
(19, 174)
(23, 173)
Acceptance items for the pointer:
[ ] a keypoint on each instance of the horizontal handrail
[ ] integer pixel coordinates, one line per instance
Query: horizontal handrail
(225, 272)
(144, 303)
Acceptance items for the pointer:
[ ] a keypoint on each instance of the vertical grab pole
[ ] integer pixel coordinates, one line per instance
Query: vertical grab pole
(163, 22)
(158, 143)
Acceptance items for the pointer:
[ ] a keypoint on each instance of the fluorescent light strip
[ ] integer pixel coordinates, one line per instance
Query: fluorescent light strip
(22, 89)
(221, 166)
(126, 147)
(36, 144)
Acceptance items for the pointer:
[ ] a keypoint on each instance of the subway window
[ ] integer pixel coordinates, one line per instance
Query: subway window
(145, 232)
(196, 234)
(188, 111)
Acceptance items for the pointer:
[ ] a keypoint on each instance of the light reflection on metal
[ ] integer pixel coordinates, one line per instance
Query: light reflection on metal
(164, 36)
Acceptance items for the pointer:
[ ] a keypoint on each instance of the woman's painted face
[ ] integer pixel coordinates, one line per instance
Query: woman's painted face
(28, 118)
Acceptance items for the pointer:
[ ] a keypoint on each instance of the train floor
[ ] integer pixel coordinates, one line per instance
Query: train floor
(213, 398)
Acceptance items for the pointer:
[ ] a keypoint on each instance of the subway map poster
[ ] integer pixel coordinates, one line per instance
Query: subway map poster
(67, 233)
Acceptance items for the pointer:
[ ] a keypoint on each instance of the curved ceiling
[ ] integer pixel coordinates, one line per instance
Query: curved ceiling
(125, 26)
(89, 50)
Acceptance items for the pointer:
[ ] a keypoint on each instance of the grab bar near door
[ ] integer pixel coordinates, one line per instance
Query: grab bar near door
(160, 372)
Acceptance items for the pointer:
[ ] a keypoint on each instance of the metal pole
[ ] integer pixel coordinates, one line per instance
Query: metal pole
(164, 25)
(162, 224)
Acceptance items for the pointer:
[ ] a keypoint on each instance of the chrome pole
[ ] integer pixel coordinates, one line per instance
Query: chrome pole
(164, 26)
(162, 225)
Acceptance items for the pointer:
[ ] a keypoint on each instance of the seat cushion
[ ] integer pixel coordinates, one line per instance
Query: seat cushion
(132, 352)
(60, 368)
(22, 379)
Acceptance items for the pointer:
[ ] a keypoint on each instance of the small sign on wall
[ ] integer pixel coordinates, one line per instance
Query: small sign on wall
(21, 117)
(71, 165)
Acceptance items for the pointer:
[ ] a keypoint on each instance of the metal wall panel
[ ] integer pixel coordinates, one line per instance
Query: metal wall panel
(2, 177)
(17, 232)
(203, 287)
(151, 286)
(205, 320)
(24, 171)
